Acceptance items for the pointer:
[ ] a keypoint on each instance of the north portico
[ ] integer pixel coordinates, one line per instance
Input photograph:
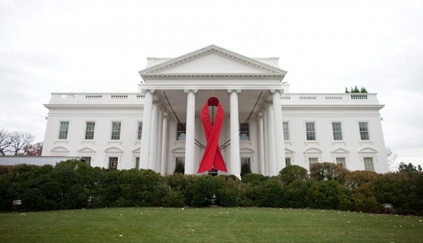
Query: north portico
(176, 89)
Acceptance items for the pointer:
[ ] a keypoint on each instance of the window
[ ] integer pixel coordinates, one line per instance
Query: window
(64, 128)
(139, 130)
(245, 166)
(180, 165)
(286, 131)
(340, 161)
(313, 160)
(368, 164)
(287, 161)
(181, 131)
(86, 160)
(244, 134)
(310, 131)
(116, 130)
(337, 131)
(364, 130)
(89, 131)
(113, 162)
(137, 163)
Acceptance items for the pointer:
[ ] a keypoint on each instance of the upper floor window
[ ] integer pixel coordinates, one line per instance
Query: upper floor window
(310, 131)
(181, 131)
(116, 130)
(368, 164)
(89, 130)
(64, 128)
(139, 130)
(244, 134)
(364, 130)
(337, 131)
(286, 131)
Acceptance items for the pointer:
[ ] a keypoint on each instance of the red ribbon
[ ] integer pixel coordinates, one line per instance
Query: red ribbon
(212, 157)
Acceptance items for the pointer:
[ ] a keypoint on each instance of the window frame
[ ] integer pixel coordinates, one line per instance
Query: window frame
(285, 131)
(89, 132)
(364, 131)
(115, 133)
(244, 131)
(310, 135)
(313, 158)
(369, 165)
(86, 159)
(337, 134)
(343, 164)
(181, 131)
(111, 165)
(139, 132)
(63, 134)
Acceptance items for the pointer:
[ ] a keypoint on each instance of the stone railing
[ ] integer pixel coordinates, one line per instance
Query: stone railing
(96, 98)
(344, 98)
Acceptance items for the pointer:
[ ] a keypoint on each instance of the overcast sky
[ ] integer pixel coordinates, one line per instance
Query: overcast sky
(99, 46)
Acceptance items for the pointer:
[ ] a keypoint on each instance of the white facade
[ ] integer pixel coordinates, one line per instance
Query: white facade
(104, 127)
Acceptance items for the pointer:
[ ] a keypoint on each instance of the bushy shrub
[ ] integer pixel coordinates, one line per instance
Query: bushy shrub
(328, 171)
(291, 173)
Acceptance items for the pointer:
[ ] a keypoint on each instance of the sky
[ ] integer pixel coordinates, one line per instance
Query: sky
(99, 46)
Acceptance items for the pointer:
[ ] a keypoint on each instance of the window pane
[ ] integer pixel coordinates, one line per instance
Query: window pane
(340, 161)
(116, 130)
(368, 164)
(89, 131)
(286, 131)
(181, 131)
(137, 163)
(364, 130)
(139, 130)
(337, 131)
(113, 162)
(86, 160)
(63, 132)
(244, 132)
(310, 131)
(313, 160)
(287, 161)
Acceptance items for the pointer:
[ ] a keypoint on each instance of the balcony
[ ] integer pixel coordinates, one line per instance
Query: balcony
(96, 98)
(329, 99)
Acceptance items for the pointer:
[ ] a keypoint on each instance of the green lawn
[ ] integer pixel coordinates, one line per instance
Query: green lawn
(207, 225)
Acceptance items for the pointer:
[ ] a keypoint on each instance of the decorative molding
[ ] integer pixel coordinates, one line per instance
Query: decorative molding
(209, 50)
(234, 90)
(280, 91)
(331, 107)
(195, 91)
(212, 76)
(151, 91)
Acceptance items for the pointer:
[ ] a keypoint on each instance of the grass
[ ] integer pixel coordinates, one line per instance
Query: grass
(207, 225)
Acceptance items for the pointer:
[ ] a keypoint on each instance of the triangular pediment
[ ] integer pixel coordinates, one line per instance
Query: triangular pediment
(212, 60)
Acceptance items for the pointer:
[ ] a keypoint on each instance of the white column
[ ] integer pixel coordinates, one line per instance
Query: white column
(159, 140)
(265, 141)
(271, 140)
(190, 133)
(154, 132)
(261, 143)
(235, 162)
(165, 142)
(279, 142)
(146, 129)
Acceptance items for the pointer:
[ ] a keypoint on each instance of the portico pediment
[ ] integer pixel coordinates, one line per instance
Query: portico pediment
(212, 62)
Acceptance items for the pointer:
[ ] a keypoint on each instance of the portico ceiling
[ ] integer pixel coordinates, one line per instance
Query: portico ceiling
(246, 101)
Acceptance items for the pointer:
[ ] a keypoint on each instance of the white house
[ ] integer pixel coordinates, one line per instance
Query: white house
(264, 125)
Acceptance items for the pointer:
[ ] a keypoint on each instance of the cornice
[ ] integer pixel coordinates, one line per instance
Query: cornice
(208, 50)
(332, 107)
(94, 106)
(212, 76)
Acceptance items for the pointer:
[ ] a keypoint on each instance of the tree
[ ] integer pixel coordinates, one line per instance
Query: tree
(403, 167)
(33, 149)
(13, 143)
(328, 171)
(291, 173)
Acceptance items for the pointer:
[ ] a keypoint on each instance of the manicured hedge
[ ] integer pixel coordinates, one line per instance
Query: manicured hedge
(73, 185)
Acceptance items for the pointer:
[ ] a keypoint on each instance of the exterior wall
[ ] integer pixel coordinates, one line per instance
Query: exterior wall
(295, 112)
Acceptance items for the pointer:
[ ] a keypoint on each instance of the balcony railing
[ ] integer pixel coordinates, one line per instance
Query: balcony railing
(96, 98)
(344, 98)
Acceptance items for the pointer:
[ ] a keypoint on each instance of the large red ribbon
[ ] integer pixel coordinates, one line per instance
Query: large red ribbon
(212, 157)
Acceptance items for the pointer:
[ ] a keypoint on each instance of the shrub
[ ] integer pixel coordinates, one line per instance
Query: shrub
(291, 173)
